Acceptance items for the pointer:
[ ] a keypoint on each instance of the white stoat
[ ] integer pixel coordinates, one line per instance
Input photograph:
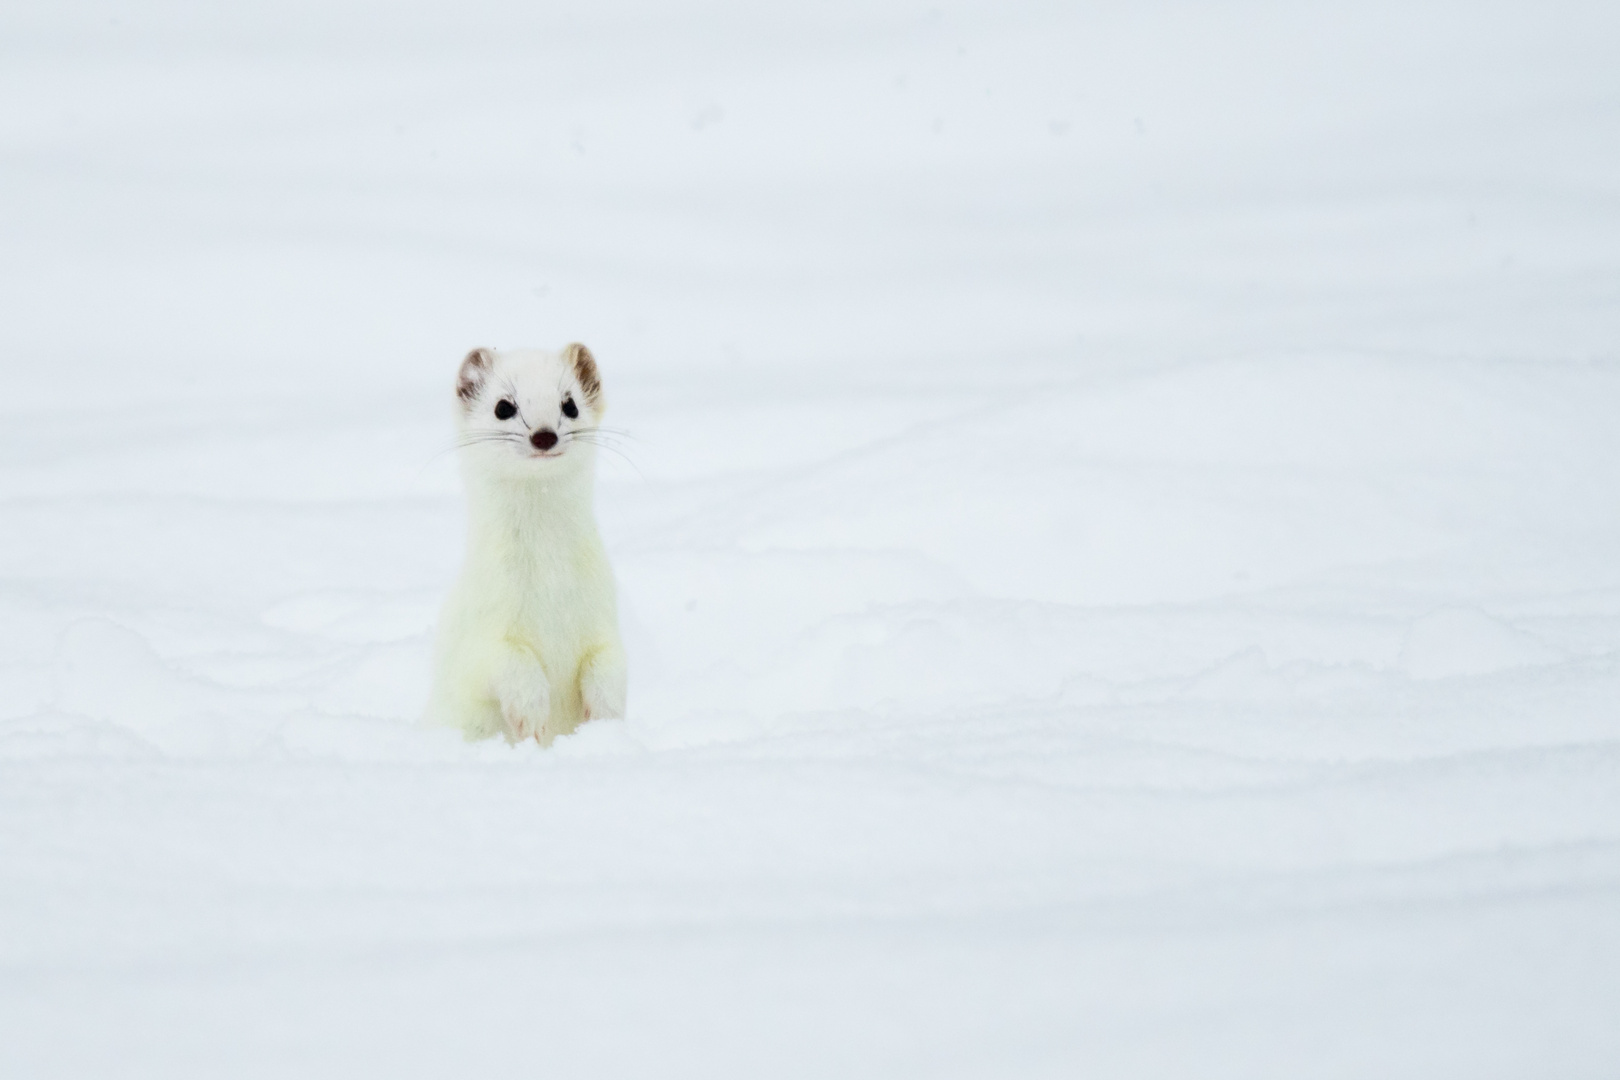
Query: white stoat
(529, 639)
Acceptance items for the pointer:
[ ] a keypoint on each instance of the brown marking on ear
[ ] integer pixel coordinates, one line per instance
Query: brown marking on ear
(474, 370)
(590, 380)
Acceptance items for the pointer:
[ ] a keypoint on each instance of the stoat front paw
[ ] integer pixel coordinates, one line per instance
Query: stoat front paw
(603, 683)
(525, 697)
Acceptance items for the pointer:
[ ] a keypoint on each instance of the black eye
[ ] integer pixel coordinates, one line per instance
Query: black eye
(570, 410)
(505, 410)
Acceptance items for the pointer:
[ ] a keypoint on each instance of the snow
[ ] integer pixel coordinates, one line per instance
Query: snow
(1117, 534)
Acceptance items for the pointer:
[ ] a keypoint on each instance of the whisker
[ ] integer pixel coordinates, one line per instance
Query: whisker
(600, 439)
(476, 438)
(473, 438)
(628, 460)
(596, 436)
(619, 432)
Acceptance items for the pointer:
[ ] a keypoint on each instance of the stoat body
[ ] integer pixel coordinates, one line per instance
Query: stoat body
(528, 642)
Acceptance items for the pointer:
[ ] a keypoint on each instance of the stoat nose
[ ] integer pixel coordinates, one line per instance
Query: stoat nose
(544, 439)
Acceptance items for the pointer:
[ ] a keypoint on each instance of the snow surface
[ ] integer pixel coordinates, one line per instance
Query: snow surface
(1118, 540)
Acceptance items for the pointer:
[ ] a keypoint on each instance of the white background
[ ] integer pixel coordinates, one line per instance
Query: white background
(1118, 534)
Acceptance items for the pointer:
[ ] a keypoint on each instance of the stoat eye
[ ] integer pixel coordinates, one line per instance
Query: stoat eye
(570, 410)
(505, 410)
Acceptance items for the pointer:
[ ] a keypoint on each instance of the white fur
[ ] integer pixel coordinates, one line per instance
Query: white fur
(528, 642)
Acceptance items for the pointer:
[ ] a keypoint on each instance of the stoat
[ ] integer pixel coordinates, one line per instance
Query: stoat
(528, 642)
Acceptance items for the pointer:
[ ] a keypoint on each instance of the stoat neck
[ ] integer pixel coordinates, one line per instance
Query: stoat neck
(529, 522)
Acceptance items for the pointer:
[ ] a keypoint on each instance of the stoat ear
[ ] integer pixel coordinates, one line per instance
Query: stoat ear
(474, 370)
(590, 380)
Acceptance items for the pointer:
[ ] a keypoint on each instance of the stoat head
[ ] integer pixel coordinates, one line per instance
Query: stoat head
(529, 411)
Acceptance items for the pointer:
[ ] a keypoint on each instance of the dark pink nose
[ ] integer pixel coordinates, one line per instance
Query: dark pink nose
(544, 439)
